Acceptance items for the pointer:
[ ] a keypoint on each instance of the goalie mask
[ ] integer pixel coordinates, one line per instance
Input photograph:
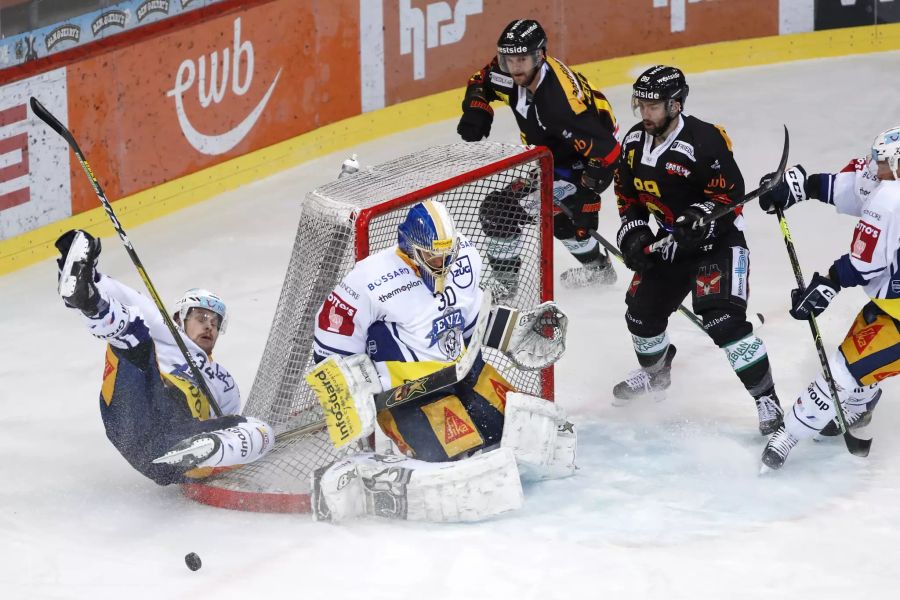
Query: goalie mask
(200, 298)
(886, 147)
(428, 237)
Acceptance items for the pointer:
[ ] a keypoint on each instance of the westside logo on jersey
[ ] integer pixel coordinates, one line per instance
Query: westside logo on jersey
(865, 238)
(336, 315)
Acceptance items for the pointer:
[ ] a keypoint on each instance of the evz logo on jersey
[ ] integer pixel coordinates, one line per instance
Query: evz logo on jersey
(865, 238)
(446, 332)
(337, 315)
(462, 272)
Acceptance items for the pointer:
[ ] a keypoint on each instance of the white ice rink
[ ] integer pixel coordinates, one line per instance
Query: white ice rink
(667, 503)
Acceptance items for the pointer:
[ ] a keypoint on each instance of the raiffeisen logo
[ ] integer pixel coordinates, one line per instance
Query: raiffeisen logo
(212, 88)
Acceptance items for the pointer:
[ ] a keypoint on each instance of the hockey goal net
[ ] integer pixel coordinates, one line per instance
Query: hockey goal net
(341, 223)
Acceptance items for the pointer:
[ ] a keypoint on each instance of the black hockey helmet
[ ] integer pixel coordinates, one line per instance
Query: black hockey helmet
(661, 83)
(522, 37)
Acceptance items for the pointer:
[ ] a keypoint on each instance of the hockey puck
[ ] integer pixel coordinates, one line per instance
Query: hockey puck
(192, 561)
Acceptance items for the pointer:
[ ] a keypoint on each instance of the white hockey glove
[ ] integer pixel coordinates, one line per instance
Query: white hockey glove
(345, 387)
(533, 339)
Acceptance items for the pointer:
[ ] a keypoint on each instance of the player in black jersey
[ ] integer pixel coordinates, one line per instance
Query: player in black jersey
(677, 169)
(554, 107)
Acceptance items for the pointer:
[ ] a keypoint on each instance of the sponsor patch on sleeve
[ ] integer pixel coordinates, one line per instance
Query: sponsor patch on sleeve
(337, 315)
(865, 238)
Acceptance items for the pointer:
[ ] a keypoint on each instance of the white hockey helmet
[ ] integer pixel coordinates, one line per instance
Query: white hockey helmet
(887, 147)
(201, 298)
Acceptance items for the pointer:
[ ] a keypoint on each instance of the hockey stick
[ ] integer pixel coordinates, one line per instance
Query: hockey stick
(44, 115)
(855, 446)
(726, 209)
(341, 416)
(611, 248)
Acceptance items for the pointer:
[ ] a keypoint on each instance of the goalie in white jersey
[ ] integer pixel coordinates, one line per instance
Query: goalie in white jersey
(870, 190)
(152, 409)
(405, 312)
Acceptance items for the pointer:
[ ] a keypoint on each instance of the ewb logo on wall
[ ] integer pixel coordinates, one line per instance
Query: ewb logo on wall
(212, 88)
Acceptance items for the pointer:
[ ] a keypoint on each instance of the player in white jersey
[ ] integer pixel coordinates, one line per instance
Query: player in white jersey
(153, 411)
(400, 314)
(870, 190)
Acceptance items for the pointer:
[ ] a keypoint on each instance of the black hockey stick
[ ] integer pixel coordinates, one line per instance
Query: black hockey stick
(611, 249)
(726, 209)
(44, 115)
(856, 446)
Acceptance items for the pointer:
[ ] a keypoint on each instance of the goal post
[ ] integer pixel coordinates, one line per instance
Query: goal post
(343, 222)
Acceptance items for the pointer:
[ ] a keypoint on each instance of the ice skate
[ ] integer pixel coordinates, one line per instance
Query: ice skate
(192, 451)
(778, 447)
(644, 383)
(854, 420)
(596, 273)
(769, 412)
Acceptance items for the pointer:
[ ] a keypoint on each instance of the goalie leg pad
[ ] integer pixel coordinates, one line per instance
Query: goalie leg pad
(345, 387)
(543, 441)
(396, 487)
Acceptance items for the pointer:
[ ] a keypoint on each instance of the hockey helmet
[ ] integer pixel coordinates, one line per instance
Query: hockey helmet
(663, 84)
(428, 237)
(522, 37)
(886, 147)
(201, 298)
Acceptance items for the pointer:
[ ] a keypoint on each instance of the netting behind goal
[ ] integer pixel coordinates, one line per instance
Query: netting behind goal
(341, 223)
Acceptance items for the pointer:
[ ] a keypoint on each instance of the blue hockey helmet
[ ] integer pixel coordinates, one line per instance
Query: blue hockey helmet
(200, 298)
(428, 237)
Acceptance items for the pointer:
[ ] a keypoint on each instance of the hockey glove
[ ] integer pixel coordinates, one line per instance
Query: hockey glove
(596, 177)
(77, 271)
(475, 123)
(632, 238)
(814, 299)
(789, 191)
(688, 232)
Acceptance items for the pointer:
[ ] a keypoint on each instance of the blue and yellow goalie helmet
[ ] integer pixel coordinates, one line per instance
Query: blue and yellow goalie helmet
(428, 237)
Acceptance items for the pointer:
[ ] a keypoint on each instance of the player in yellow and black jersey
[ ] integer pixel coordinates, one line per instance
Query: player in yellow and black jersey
(557, 108)
(677, 169)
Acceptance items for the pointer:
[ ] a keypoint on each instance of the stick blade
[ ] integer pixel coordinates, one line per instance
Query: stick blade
(857, 446)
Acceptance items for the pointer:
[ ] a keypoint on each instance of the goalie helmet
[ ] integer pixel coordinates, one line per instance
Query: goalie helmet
(886, 147)
(522, 37)
(200, 298)
(661, 84)
(428, 237)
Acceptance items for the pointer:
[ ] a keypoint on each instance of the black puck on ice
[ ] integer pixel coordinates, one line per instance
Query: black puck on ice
(192, 561)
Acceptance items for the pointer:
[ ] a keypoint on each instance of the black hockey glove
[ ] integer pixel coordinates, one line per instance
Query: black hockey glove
(819, 293)
(596, 177)
(632, 238)
(475, 123)
(789, 191)
(688, 232)
(77, 270)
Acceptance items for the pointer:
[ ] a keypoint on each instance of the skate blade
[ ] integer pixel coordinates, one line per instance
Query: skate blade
(655, 397)
(200, 448)
(765, 469)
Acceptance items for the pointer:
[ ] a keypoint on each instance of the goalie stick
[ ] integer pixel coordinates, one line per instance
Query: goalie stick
(44, 115)
(611, 249)
(726, 209)
(855, 445)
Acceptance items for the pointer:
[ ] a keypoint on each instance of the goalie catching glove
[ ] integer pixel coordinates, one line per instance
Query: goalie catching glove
(532, 339)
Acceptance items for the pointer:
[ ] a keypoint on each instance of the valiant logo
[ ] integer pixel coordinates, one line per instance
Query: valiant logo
(212, 88)
(429, 29)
